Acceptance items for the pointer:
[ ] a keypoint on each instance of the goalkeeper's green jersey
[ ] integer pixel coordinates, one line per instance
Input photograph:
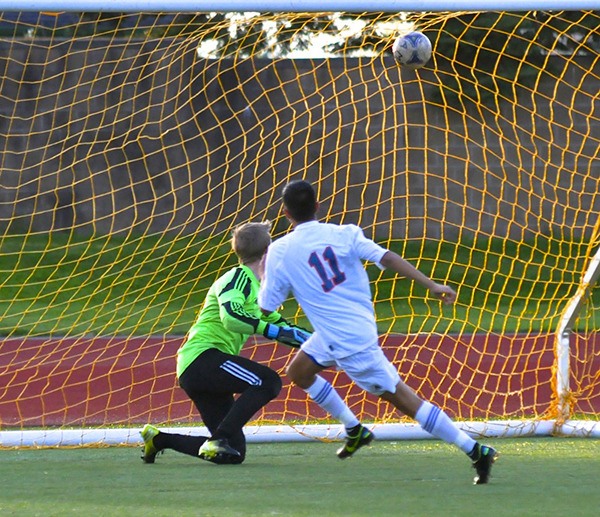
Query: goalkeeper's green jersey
(230, 314)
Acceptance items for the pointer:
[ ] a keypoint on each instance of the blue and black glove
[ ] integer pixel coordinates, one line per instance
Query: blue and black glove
(288, 335)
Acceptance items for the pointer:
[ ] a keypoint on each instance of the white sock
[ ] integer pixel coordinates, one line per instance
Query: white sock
(322, 393)
(437, 423)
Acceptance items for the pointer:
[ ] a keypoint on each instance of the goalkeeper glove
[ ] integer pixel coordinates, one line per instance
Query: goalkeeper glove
(291, 336)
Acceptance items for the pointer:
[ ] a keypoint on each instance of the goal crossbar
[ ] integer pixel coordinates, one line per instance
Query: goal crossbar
(293, 5)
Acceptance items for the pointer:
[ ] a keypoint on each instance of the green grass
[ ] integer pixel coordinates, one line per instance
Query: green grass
(69, 285)
(542, 476)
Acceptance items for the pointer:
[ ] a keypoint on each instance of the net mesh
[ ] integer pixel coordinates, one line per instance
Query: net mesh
(132, 144)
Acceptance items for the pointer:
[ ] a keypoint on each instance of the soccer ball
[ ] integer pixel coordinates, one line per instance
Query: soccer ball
(412, 50)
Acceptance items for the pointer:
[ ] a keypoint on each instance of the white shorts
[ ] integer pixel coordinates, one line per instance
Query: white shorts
(369, 368)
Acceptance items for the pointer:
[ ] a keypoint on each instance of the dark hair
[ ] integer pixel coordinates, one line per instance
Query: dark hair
(300, 200)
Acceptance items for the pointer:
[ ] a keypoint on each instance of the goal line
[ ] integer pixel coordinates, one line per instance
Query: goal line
(298, 433)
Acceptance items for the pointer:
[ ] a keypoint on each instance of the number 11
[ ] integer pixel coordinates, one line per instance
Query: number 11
(329, 256)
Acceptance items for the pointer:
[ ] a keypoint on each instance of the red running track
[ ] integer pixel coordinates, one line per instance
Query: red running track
(125, 380)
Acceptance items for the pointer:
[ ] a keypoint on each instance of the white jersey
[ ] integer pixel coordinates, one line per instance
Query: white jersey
(321, 265)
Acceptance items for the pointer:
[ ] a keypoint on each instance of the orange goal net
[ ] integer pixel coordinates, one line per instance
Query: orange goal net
(132, 143)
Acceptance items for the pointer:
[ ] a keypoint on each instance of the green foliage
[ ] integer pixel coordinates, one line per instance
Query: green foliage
(490, 55)
(489, 51)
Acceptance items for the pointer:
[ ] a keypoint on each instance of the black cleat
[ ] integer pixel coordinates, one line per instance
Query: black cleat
(483, 464)
(355, 442)
(219, 451)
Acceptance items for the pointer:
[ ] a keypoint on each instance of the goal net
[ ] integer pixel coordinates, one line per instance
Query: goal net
(132, 143)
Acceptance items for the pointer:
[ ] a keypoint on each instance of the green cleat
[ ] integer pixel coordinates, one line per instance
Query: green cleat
(148, 433)
(483, 464)
(219, 451)
(355, 442)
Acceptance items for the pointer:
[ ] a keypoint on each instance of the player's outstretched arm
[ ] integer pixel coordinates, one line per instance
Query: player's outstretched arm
(288, 334)
(404, 268)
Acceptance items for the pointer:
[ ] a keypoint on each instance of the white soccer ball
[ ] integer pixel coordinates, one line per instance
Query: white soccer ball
(412, 50)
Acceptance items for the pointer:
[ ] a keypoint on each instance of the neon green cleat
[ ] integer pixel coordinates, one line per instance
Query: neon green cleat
(353, 443)
(219, 451)
(149, 432)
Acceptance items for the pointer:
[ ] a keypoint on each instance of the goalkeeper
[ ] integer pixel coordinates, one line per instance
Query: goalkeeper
(209, 367)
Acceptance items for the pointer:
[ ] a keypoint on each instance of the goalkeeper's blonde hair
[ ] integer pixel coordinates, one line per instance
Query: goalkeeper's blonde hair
(251, 240)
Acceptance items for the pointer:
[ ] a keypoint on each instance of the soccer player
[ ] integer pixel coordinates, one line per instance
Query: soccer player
(321, 265)
(209, 367)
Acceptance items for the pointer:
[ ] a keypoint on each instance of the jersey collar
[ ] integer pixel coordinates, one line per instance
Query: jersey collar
(306, 225)
(250, 273)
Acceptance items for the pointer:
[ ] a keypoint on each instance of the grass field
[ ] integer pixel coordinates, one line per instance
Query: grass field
(69, 285)
(541, 476)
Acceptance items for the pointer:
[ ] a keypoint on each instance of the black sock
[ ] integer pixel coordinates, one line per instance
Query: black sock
(179, 442)
(474, 454)
(353, 431)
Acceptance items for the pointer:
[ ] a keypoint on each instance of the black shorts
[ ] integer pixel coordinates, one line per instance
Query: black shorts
(215, 372)
(211, 382)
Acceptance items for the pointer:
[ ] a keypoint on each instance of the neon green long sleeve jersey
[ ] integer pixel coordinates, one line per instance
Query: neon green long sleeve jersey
(230, 314)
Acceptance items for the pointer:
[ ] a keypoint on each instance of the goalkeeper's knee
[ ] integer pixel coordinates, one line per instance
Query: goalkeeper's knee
(272, 384)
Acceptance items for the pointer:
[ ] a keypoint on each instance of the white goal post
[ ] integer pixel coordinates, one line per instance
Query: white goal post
(565, 329)
(298, 433)
(274, 433)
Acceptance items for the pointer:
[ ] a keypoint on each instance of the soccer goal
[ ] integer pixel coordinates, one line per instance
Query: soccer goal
(132, 142)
